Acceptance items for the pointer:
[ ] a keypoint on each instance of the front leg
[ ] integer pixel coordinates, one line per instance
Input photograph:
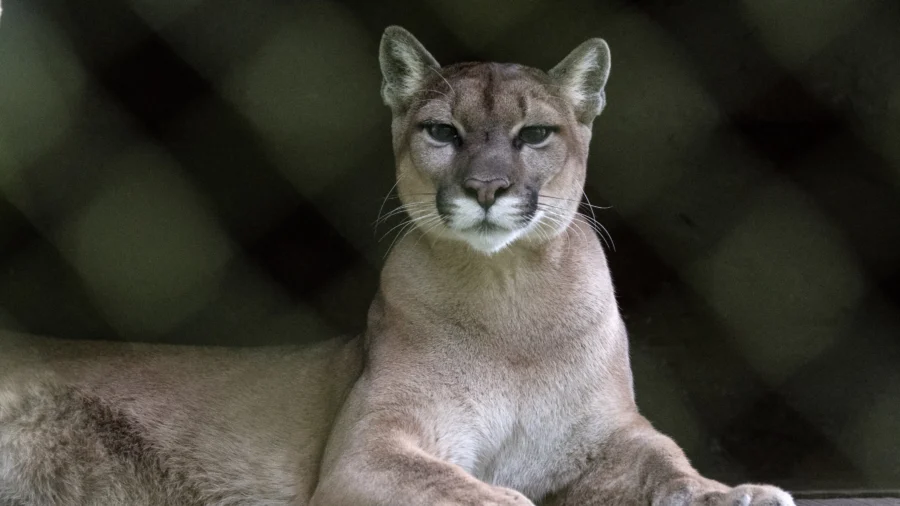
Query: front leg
(637, 465)
(381, 456)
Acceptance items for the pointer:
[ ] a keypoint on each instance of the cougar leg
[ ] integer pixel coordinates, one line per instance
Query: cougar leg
(637, 465)
(379, 456)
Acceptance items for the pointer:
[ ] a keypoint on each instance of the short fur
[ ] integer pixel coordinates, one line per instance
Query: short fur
(115, 424)
(496, 366)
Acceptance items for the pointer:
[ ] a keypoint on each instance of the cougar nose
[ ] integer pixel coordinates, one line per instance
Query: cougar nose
(485, 191)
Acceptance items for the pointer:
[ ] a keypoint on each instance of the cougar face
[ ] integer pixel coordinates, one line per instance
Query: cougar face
(491, 153)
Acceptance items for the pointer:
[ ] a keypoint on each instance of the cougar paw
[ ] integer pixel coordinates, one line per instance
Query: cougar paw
(746, 495)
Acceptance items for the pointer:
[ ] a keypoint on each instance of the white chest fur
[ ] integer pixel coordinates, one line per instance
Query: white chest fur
(522, 428)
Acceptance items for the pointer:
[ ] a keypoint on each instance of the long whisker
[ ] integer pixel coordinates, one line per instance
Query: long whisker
(425, 232)
(588, 204)
(568, 233)
(554, 218)
(550, 228)
(407, 206)
(429, 219)
(543, 205)
(542, 234)
(599, 229)
(409, 225)
(547, 229)
(595, 220)
(612, 243)
(591, 221)
(559, 218)
(413, 216)
(400, 209)
(419, 195)
(383, 202)
(555, 213)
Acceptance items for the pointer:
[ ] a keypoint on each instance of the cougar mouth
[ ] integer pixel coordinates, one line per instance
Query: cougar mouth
(463, 215)
(489, 235)
(487, 226)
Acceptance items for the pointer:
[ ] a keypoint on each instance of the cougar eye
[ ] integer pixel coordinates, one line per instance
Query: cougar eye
(442, 132)
(534, 134)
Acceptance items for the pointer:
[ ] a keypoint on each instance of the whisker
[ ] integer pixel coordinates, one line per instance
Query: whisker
(413, 216)
(380, 209)
(553, 218)
(408, 227)
(613, 243)
(412, 206)
(539, 230)
(401, 224)
(591, 221)
(594, 219)
(403, 206)
(542, 205)
(425, 232)
(588, 204)
(548, 229)
(559, 219)
(400, 209)
(598, 227)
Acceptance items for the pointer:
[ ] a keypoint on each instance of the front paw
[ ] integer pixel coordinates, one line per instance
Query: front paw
(690, 492)
(483, 495)
(500, 496)
(747, 495)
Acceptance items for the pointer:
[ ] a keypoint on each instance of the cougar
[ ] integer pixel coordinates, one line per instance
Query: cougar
(494, 368)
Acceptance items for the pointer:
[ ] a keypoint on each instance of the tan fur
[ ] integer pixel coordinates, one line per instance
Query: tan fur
(114, 423)
(495, 366)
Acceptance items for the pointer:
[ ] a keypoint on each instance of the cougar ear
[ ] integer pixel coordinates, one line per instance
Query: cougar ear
(405, 65)
(582, 77)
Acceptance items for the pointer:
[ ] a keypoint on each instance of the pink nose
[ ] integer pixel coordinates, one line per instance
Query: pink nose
(486, 192)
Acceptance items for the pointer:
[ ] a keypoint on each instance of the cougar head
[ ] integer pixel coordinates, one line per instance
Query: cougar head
(491, 153)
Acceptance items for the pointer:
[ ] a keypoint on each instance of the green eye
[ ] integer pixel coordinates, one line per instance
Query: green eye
(534, 134)
(442, 133)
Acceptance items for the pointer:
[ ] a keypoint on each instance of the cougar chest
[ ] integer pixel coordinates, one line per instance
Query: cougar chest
(527, 426)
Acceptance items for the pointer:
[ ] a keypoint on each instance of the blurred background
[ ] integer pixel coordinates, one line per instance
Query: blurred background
(208, 172)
